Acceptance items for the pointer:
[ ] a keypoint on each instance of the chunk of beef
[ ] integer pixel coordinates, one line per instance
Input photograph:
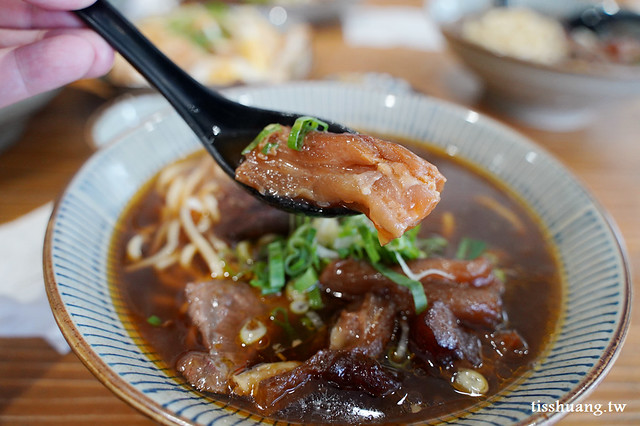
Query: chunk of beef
(438, 332)
(393, 186)
(243, 216)
(347, 370)
(247, 381)
(467, 287)
(508, 343)
(205, 371)
(365, 327)
(219, 309)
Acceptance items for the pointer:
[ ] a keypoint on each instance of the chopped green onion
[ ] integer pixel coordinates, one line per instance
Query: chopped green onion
(264, 133)
(500, 274)
(300, 250)
(299, 306)
(470, 249)
(306, 281)
(269, 146)
(285, 324)
(252, 331)
(432, 245)
(416, 288)
(261, 276)
(301, 127)
(298, 260)
(276, 267)
(358, 238)
(154, 320)
(315, 298)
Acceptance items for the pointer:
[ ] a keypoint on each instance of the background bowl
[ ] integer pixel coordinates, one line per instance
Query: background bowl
(89, 309)
(553, 97)
(14, 118)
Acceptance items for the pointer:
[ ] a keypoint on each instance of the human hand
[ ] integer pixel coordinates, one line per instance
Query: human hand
(44, 46)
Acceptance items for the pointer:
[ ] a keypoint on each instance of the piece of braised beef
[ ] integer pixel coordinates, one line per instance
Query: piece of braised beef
(365, 327)
(244, 217)
(438, 332)
(219, 309)
(472, 293)
(393, 186)
(347, 370)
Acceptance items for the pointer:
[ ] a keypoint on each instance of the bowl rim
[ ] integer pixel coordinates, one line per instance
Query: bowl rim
(146, 405)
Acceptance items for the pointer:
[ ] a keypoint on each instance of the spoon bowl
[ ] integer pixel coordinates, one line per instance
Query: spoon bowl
(223, 126)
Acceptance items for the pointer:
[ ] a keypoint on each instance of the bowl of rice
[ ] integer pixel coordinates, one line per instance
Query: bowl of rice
(532, 67)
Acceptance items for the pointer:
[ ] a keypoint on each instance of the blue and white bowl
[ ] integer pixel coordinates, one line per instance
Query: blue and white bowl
(89, 310)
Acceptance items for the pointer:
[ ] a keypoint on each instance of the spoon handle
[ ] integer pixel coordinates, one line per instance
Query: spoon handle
(198, 106)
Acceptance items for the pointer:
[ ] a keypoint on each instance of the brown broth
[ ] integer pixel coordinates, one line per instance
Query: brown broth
(532, 300)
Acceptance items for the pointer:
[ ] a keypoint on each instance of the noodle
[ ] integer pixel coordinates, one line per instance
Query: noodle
(204, 247)
(160, 258)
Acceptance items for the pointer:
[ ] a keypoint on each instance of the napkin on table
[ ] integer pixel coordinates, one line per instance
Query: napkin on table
(24, 307)
(391, 26)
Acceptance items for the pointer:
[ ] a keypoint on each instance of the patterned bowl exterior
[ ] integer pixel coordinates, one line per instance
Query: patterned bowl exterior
(93, 317)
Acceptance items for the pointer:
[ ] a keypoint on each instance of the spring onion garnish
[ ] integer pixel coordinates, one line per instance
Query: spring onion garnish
(358, 238)
(276, 267)
(301, 127)
(470, 249)
(308, 283)
(294, 263)
(305, 281)
(264, 133)
(252, 331)
(154, 320)
(416, 288)
(284, 322)
(300, 250)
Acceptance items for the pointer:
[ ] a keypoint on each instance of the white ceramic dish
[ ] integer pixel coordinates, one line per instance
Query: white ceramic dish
(313, 11)
(544, 96)
(14, 118)
(126, 113)
(594, 316)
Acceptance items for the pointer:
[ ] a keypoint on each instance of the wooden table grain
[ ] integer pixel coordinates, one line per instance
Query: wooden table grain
(39, 386)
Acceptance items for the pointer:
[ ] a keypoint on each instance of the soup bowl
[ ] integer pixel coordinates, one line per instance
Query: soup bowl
(93, 317)
(562, 96)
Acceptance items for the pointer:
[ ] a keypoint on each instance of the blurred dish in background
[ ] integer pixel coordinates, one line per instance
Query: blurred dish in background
(601, 35)
(529, 35)
(537, 68)
(519, 32)
(312, 11)
(222, 45)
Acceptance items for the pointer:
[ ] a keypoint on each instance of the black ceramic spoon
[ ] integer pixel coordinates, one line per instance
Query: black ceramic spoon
(224, 127)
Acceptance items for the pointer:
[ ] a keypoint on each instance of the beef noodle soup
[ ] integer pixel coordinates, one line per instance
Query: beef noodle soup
(310, 320)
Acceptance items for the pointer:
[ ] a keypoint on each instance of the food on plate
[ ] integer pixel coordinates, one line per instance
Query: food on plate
(394, 187)
(312, 320)
(617, 47)
(519, 32)
(220, 44)
(529, 35)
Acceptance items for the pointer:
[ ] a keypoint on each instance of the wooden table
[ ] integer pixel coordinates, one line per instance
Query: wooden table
(37, 385)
